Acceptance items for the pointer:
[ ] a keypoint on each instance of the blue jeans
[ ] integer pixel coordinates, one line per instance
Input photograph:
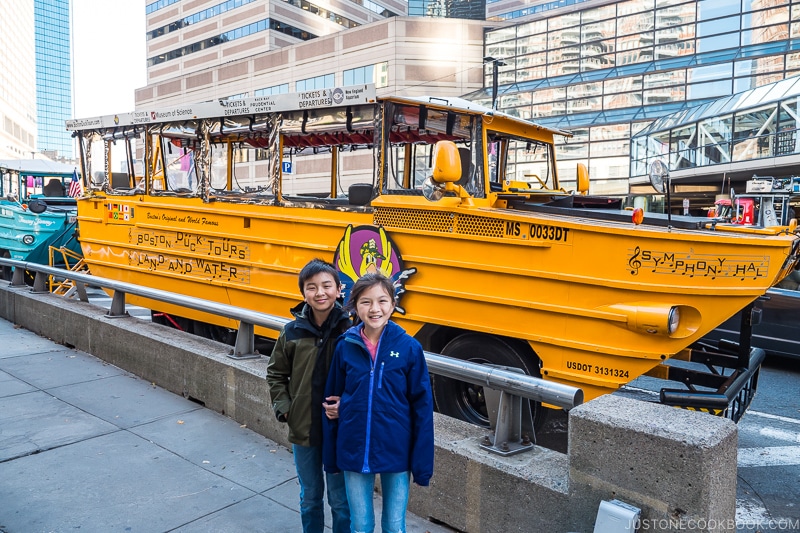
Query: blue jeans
(308, 461)
(394, 488)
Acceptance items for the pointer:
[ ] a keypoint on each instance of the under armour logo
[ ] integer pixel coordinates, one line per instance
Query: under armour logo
(394, 354)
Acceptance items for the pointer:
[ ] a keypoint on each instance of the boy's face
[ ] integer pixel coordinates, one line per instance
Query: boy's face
(320, 292)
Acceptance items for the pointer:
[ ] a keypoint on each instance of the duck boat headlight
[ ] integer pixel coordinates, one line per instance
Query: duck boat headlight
(657, 318)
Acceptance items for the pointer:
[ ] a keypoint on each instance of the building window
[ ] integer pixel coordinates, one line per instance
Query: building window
(377, 74)
(270, 91)
(325, 81)
(308, 7)
(155, 6)
(232, 35)
(197, 17)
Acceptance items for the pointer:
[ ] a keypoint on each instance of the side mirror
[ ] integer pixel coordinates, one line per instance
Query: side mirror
(446, 169)
(583, 179)
(431, 190)
(446, 162)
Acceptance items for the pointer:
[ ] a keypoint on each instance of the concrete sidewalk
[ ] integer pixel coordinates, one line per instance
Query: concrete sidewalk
(87, 446)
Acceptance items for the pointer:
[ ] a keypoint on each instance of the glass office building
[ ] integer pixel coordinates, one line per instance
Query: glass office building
(53, 75)
(755, 129)
(607, 72)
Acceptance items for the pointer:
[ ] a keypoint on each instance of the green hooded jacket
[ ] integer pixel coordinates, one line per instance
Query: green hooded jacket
(298, 369)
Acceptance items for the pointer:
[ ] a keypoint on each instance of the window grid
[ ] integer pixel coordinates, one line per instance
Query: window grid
(270, 91)
(325, 81)
(197, 17)
(377, 74)
(232, 35)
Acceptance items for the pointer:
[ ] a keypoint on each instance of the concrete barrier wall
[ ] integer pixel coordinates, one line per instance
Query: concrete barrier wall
(679, 467)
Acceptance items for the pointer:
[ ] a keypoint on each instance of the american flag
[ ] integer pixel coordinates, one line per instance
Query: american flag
(75, 186)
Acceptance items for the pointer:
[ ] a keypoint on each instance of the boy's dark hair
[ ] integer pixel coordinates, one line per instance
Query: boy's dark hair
(314, 267)
(365, 282)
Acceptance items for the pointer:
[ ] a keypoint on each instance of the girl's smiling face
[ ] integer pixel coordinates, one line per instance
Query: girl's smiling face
(374, 307)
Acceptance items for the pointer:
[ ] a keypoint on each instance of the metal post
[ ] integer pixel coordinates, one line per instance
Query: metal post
(496, 64)
(81, 288)
(751, 316)
(245, 347)
(511, 419)
(495, 69)
(40, 283)
(117, 305)
(18, 278)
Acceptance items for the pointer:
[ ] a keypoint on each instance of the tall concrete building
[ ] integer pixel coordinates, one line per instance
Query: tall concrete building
(192, 35)
(17, 80)
(203, 49)
(607, 70)
(35, 79)
(53, 76)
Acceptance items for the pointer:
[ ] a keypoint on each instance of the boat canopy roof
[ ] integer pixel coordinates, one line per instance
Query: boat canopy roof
(36, 167)
(316, 101)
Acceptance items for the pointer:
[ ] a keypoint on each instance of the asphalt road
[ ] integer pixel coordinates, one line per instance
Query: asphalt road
(768, 493)
(768, 489)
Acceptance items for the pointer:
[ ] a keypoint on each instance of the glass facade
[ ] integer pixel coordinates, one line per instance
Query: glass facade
(454, 9)
(53, 75)
(756, 124)
(607, 72)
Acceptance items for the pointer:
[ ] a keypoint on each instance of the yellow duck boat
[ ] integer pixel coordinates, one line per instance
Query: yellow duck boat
(460, 205)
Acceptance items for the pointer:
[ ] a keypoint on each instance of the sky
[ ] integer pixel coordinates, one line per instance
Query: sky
(109, 55)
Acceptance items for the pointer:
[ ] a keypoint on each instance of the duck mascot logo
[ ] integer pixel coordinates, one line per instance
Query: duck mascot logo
(366, 249)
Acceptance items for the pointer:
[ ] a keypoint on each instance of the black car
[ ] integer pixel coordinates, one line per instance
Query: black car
(779, 330)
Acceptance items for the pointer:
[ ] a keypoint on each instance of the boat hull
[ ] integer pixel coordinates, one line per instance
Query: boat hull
(590, 297)
(53, 227)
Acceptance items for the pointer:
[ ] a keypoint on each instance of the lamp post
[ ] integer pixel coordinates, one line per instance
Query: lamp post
(496, 64)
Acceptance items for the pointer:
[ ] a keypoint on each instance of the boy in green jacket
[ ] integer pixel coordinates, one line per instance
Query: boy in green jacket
(296, 375)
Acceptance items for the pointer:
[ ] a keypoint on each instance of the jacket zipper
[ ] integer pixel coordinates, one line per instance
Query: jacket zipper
(365, 467)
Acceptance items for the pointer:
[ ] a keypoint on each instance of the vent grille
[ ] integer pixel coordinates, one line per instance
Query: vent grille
(414, 219)
(437, 221)
(483, 226)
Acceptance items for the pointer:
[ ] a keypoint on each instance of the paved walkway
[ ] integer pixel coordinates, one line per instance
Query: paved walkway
(85, 446)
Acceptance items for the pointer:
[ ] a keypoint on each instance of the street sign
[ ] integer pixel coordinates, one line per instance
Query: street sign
(287, 167)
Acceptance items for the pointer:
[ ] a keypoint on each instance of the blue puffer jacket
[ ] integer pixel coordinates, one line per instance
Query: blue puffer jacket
(386, 412)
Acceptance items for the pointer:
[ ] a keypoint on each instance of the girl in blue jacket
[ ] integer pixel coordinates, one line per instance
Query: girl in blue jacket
(385, 415)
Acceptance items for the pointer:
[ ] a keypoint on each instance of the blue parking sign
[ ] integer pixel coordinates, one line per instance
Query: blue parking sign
(287, 167)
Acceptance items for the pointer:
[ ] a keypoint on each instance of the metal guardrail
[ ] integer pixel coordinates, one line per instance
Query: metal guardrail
(512, 435)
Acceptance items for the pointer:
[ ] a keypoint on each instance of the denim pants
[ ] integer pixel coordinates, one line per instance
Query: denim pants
(394, 488)
(308, 461)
